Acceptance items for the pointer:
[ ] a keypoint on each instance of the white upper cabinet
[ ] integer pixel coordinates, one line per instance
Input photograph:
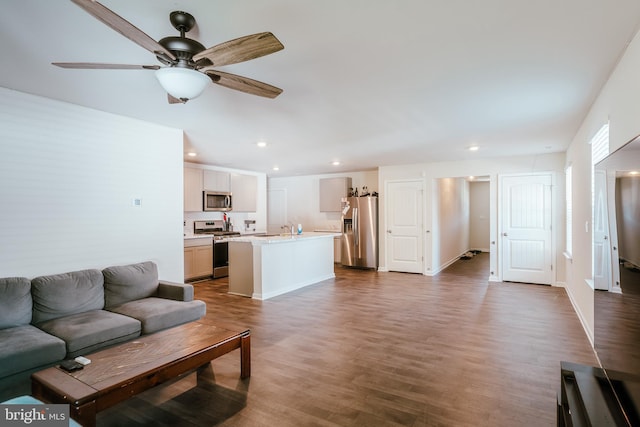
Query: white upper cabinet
(217, 181)
(332, 190)
(192, 190)
(244, 190)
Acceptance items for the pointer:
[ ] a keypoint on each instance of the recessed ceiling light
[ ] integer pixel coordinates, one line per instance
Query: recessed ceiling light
(276, 168)
(192, 154)
(474, 148)
(261, 144)
(335, 163)
(634, 173)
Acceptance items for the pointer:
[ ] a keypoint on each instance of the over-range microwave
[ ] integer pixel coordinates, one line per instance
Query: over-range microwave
(216, 201)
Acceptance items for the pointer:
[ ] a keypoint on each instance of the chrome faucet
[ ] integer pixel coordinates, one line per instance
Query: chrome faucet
(291, 228)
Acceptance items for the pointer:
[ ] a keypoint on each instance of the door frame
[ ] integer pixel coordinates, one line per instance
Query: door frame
(555, 221)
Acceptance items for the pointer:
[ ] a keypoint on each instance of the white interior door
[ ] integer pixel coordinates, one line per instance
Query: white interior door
(526, 214)
(276, 210)
(404, 233)
(601, 245)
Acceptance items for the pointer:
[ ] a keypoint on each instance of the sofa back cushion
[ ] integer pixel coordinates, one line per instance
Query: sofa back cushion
(129, 282)
(15, 302)
(68, 293)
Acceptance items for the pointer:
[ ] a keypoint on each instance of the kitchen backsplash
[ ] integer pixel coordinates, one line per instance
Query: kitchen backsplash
(237, 220)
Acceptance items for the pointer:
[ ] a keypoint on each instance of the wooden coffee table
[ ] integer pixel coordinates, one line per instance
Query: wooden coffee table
(122, 371)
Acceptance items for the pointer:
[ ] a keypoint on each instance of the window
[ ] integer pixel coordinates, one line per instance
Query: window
(599, 150)
(600, 144)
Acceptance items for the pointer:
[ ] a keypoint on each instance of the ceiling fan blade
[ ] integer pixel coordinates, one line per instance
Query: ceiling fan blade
(174, 100)
(124, 27)
(241, 49)
(243, 84)
(100, 66)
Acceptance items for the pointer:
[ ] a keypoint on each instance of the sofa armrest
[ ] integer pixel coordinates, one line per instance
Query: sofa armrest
(175, 291)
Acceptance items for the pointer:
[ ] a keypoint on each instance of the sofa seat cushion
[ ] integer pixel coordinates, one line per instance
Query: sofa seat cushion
(89, 331)
(15, 302)
(65, 294)
(129, 282)
(159, 313)
(26, 347)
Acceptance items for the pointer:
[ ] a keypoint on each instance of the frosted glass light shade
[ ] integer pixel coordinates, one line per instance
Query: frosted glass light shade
(182, 83)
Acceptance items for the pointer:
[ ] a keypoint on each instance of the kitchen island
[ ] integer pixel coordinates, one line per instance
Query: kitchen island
(264, 266)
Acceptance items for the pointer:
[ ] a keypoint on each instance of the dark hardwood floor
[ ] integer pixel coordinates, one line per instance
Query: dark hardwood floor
(381, 349)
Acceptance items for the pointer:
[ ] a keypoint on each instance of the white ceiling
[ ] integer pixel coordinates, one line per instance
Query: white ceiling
(366, 83)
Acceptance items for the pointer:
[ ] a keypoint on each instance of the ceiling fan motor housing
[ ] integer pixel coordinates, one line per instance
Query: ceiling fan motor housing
(183, 48)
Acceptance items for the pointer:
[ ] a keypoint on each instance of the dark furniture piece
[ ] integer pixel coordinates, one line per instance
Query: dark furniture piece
(587, 398)
(119, 372)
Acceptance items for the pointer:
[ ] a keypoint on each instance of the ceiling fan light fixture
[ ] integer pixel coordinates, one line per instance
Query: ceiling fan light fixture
(182, 83)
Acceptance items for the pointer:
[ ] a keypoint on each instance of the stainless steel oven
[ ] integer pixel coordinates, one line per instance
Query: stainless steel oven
(220, 257)
(220, 244)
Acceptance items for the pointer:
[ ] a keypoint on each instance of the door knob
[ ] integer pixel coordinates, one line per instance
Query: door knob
(504, 234)
(389, 231)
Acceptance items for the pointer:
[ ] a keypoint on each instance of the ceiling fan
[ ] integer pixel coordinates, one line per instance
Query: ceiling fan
(188, 66)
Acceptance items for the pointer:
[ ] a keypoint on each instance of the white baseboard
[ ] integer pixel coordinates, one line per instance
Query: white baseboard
(581, 317)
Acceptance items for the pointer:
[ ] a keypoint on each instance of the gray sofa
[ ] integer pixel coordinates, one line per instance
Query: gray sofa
(51, 318)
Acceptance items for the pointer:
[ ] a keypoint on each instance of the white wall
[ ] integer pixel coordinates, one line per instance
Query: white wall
(479, 236)
(237, 218)
(303, 198)
(619, 103)
(68, 177)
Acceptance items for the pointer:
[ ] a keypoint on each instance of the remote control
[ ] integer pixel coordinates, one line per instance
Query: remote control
(71, 365)
(82, 360)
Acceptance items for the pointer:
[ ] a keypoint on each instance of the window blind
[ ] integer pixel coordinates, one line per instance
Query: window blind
(600, 144)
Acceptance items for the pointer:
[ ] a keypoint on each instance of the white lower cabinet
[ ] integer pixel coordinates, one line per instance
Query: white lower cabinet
(337, 249)
(198, 261)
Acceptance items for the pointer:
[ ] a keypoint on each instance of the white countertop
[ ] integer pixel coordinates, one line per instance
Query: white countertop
(197, 240)
(197, 236)
(281, 238)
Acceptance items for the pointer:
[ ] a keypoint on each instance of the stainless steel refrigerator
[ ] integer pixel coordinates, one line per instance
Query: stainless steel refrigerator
(360, 232)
